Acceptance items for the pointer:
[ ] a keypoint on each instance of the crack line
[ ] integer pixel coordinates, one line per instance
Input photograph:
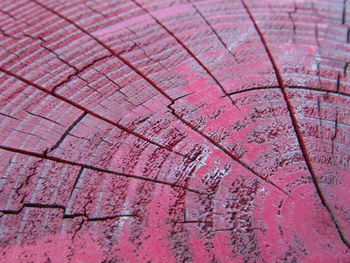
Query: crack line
(223, 149)
(78, 106)
(343, 19)
(77, 178)
(9, 116)
(297, 131)
(65, 216)
(43, 117)
(289, 87)
(97, 169)
(213, 30)
(96, 115)
(126, 62)
(120, 126)
(179, 41)
(66, 133)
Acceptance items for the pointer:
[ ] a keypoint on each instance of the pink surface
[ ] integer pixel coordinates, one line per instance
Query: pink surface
(174, 131)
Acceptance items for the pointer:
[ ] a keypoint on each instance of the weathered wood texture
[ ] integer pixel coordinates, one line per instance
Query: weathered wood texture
(174, 131)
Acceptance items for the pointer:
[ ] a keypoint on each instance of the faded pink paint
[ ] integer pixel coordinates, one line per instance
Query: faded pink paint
(174, 131)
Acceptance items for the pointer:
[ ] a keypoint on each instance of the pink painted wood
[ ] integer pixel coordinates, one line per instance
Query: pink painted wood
(174, 131)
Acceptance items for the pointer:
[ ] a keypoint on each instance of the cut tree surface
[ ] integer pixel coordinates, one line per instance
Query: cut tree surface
(174, 131)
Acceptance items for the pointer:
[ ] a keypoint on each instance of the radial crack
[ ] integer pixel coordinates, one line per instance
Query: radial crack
(126, 62)
(223, 149)
(179, 41)
(76, 182)
(5, 34)
(338, 82)
(31, 205)
(139, 73)
(289, 87)
(335, 131)
(43, 117)
(97, 169)
(78, 71)
(252, 89)
(78, 106)
(213, 30)
(343, 19)
(296, 128)
(105, 218)
(65, 216)
(66, 133)
(94, 114)
(9, 116)
(290, 15)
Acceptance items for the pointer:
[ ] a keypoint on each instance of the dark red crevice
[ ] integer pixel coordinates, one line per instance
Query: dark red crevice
(77, 178)
(3, 32)
(179, 41)
(92, 113)
(43, 117)
(126, 62)
(289, 87)
(335, 131)
(77, 71)
(8, 14)
(78, 106)
(65, 216)
(290, 15)
(93, 9)
(32, 205)
(9, 116)
(319, 90)
(97, 169)
(105, 218)
(213, 30)
(343, 18)
(66, 133)
(142, 75)
(223, 149)
(252, 89)
(338, 82)
(297, 131)
(56, 55)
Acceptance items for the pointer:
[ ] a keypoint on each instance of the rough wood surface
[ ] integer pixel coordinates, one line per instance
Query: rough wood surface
(174, 131)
